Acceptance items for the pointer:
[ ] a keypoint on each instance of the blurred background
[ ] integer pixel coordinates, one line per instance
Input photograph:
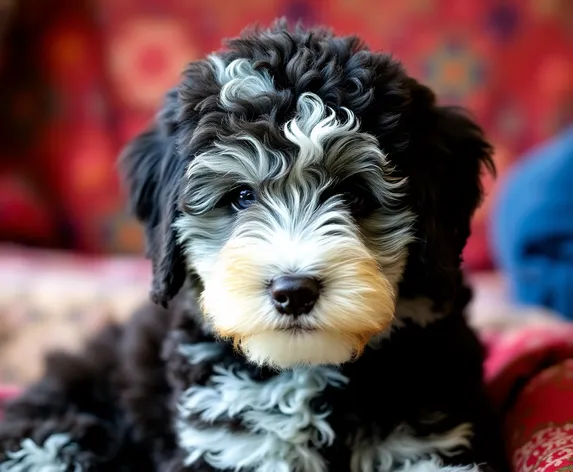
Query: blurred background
(79, 78)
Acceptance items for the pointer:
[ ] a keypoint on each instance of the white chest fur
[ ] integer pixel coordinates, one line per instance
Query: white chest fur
(282, 432)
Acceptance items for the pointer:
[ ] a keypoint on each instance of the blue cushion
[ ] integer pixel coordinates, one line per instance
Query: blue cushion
(532, 226)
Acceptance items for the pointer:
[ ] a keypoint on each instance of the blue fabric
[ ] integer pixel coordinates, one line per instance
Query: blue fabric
(532, 227)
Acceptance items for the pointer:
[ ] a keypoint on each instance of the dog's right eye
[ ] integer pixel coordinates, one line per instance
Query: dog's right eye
(242, 198)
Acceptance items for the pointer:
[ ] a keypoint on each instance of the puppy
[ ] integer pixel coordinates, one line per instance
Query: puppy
(305, 204)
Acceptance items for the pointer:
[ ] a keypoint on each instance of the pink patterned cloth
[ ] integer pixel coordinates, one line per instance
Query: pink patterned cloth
(539, 427)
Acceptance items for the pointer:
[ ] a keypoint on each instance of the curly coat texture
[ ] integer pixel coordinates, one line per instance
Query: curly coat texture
(157, 393)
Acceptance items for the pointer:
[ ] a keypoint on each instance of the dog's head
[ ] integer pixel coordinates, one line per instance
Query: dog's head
(304, 182)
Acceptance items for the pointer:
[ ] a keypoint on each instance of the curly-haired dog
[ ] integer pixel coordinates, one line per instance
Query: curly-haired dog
(305, 204)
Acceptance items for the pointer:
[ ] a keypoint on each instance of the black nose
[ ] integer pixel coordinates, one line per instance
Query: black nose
(294, 295)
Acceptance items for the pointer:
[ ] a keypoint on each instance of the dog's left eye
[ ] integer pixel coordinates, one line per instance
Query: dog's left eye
(357, 202)
(243, 198)
(356, 198)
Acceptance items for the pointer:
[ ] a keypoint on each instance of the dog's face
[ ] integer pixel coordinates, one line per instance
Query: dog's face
(282, 175)
(295, 231)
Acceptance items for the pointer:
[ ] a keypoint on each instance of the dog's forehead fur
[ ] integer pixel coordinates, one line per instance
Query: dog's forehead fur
(255, 84)
(316, 150)
(281, 104)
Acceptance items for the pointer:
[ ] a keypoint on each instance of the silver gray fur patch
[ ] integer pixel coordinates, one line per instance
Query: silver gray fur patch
(436, 465)
(44, 458)
(403, 451)
(282, 430)
(240, 81)
(201, 352)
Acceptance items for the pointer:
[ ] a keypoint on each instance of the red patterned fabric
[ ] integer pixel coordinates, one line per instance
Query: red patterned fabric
(79, 78)
(530, 377)
(540, 427)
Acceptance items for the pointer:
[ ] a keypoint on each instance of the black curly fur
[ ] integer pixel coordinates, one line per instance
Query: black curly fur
(117, 399)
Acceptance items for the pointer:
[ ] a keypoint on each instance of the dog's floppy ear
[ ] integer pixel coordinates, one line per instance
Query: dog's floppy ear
(444, 162)
(152, 172)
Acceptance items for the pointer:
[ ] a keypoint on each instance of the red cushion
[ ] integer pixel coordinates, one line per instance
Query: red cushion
(540, 425)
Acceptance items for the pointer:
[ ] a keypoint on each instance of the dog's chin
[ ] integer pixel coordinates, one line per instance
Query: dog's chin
(288, 349)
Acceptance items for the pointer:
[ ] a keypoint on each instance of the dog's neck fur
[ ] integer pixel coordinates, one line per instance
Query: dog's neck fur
(227, 406)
